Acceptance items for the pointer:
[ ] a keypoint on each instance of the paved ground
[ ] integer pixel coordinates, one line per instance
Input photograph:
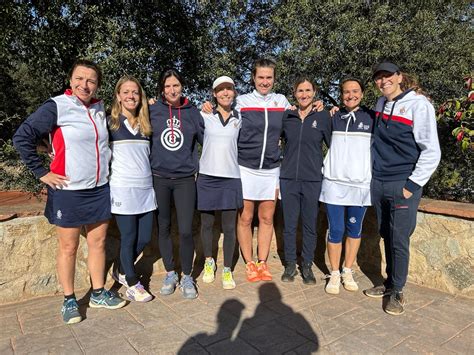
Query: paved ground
(270, 317)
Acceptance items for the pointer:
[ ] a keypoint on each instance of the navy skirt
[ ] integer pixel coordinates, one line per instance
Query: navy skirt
(75, 208)
(218, 193)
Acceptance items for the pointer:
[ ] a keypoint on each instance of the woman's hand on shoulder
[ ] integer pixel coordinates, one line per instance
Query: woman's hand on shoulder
(318, 106)
(151, 100)
(333, 111)
(207, 107)
(55, 181)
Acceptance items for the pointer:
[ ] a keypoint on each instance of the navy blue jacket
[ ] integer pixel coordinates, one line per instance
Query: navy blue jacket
(303, 154)
(176, 132)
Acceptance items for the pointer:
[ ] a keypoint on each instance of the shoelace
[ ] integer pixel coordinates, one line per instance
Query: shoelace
(209, 267)
(71, 306)
(170, 279)
(227, 276)
(187, 282)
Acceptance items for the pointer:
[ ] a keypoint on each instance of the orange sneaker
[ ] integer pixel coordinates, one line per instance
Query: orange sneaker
(263, 271)
(252, 272)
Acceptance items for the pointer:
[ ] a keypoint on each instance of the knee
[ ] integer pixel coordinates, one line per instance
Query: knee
(97, 244)
(266, 220)
(335, 235)
(245, 220)
(68, 249)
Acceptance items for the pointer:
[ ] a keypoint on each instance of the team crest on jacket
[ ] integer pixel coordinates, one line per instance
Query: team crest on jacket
(402, 110)
(172, 138)
(314, 124)
(363, 126)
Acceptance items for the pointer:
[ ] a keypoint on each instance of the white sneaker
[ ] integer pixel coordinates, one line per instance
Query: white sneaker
(334, 283)
(348, 280)
(209, 270)
(138, 293)
(228, 282)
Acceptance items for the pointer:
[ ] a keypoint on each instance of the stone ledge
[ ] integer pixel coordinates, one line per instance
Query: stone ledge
(447, 208)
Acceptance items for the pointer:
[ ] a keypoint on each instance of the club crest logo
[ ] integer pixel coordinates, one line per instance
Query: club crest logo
(352, 220)
(314, 124)
(59, 214)
(172, 138)
(362, 126)
(403, 110)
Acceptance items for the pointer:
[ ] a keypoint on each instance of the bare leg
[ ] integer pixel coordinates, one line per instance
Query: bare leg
(352, 247)
(68, 239)
(96, 234)
(334, 253)
(266, 209)
(244, 229)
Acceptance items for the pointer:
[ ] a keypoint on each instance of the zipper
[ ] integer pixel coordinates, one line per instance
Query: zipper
(299, 149)
(96, 145)
(264, 139)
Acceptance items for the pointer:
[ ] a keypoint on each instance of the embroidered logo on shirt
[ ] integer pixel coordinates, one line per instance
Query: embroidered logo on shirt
(314, 124)
(275, 103)
(100, 115)
(402, 109)
(59, 214)
(353, 220)
(365, 127)
(172, 138)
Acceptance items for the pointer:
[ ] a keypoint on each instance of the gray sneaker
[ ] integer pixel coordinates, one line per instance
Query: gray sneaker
(188, 288)
(70, 311)
(377, 291)
(169, 283)
(395, 304)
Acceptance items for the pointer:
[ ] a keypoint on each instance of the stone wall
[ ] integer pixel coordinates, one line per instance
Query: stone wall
(442, 254)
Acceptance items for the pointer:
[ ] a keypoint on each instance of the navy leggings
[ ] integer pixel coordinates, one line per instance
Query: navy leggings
(344, 220)
(135, 234)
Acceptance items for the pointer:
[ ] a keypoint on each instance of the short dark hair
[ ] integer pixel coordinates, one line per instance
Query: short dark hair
(351, 78)
(88, 64)
(167, 73)
(301, 79)
(263, 63)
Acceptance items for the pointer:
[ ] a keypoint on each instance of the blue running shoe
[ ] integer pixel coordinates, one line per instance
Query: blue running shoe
(106, 299)
(70, 311)
(188, 288)
(169, 283)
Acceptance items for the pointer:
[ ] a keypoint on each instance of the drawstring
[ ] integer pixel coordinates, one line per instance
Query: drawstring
(172, 122)
(351, 117)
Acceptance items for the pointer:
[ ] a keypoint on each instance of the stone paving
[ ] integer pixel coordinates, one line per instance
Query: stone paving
(271, 317)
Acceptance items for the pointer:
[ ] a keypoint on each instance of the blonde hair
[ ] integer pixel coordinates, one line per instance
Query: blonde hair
(410, 81)
(142, 109)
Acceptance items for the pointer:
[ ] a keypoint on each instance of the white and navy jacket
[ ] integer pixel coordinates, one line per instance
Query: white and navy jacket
(176, 132)
(303, 154)
(78, 136)
(260, 132)
(406, 145)
(219, 150)
(348, 160)
(130, 165)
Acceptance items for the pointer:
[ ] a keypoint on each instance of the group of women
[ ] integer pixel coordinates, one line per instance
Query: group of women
(381, 158)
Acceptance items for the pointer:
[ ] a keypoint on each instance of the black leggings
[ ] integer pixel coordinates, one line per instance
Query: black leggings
(135, 234)
(183, 190)
(228, 228)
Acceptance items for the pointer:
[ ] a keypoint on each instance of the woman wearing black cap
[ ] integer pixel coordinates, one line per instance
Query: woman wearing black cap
(405, 154)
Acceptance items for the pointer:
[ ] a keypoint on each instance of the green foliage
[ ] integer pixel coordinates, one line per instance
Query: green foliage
(326, 40)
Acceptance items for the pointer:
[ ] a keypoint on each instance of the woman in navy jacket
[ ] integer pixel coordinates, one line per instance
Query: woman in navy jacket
(177, 129)
(303, 131)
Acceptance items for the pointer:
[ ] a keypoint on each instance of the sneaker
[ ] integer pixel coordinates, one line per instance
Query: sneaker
(106, 299)
(188, 288)
(138, 293)
(377, 291)
(252, 272)
(395, 303)
(228, 282)
(348, 280)
(169, 283)
(209, 270)
(70, 311)
(307, 274)
(263, 271)
(289, 273)
(334, 283)
(120, 278)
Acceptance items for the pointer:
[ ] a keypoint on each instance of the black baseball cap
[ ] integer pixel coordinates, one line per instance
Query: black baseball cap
(385, 66)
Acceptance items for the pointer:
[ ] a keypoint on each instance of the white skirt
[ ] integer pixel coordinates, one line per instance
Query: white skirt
(259, 184)
(336, 193)
(132, 200)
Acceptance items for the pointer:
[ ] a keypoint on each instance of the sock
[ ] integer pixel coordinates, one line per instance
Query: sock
(226, 269)
(347, 269)
(97, 291)
(69, 297)
(335, 272)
